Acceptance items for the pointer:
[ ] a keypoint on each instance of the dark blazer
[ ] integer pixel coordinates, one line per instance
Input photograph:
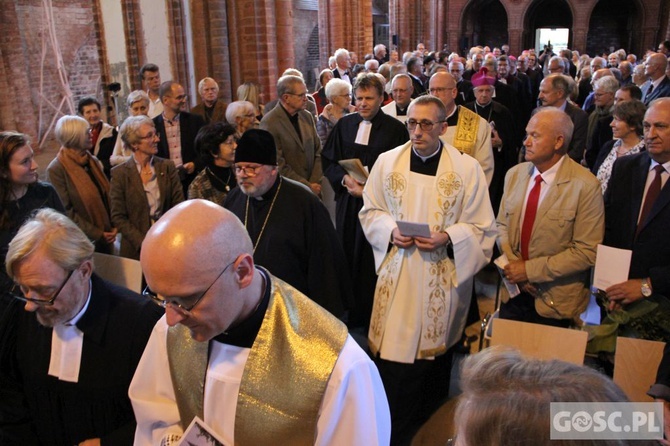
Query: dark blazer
(189, 124)
(623, 200)
(662, 91)
(298, 157)
(218, 114)
(419, 88)
(130, 210)
(580, 119)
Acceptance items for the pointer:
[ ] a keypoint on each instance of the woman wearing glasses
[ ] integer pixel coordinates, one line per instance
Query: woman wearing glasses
(81, 183)
(338, 93)
(20, 191)
(144, 187)
(138, 105)
(216, 143)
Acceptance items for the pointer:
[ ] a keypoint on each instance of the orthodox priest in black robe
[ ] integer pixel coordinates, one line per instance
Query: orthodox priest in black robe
(290, 228)
(363, 135)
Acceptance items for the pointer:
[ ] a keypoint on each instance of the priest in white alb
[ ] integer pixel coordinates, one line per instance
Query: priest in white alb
(424, 283)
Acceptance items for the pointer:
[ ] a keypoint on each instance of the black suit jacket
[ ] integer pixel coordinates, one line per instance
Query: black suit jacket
(623, 200)
(662, 91)
(581, 122)
(189, 125)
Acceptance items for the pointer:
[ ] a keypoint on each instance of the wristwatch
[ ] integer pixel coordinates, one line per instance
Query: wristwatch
(646, 288)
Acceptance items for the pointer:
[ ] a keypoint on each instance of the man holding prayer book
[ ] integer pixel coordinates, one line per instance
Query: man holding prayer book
(362, 135)
(424, 287)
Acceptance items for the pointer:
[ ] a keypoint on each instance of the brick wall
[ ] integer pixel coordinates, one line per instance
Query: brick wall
(306, 44)
(21, 46)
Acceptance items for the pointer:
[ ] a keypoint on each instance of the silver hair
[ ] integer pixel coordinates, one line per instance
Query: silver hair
(72, 131)
(61, 239)
(336, 87)
(129, 131)
(137, 95)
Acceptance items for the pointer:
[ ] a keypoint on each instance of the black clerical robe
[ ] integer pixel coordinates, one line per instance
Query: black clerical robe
(41, 409)
(503, 157)
(387, 133)
(296, 241)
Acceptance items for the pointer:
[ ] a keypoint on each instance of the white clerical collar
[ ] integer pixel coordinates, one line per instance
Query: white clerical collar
(67, 343)
(363, 133)
(425, 158)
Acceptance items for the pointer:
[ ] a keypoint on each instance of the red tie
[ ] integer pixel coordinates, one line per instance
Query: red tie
(529, 216)
(652, 194)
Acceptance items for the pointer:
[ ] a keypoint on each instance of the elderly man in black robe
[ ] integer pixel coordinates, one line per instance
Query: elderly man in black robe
(363, 135)
(68, 359)
(290, 228)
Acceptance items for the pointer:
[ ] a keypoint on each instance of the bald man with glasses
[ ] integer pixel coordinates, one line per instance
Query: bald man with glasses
(68, 359)
(247, 353)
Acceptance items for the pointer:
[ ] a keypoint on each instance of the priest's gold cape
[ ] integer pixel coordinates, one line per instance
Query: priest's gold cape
(284, 378)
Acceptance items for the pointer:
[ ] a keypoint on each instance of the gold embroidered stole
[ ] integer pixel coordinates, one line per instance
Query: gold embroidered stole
(466, 131)
(287, 371)
(188, 361)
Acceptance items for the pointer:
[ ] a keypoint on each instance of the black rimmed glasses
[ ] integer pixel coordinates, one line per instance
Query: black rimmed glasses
(19, 292)
(425, 124)
(173, 303)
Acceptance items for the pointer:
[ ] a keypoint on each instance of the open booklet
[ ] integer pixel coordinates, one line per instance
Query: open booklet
(355, 169)
(200, 434)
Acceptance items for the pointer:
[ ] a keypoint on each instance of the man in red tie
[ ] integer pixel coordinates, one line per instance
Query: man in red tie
(550, 221)
(637, 212)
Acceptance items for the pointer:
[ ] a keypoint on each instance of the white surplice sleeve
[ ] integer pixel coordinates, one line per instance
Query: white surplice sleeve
(355, 409)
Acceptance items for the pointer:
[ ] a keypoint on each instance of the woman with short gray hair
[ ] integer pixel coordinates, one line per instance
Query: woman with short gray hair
(138, 105)
(338, 93)
(144, 187)
(242, 116)
(81, 183)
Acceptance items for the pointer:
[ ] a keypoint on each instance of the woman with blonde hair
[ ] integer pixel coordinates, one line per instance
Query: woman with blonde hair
(251, 91)
(81, 183)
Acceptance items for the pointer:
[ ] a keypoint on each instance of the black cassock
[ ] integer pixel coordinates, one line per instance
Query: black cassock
(36, 408)
(386, 133)
(298, 242)
(505, 157)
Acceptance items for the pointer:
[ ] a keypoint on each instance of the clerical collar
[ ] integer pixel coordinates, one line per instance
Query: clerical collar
(426, 158)
(81, 312)
(244, 334)
(452, 119)
(400, 111)
(270, 194)
(425, 165)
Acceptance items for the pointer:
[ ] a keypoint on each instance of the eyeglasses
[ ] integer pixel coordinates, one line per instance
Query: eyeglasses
(435, 91)
(151, 136)
(301, 95)
(161, 302)
(19, 292)
(425, 125)
(250, 171)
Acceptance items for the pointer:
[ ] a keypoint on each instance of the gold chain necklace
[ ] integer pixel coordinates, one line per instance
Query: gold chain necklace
(267, 217)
